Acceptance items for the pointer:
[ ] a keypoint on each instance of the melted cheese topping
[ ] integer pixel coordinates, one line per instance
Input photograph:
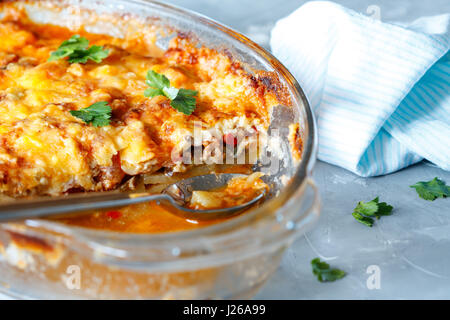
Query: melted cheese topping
(45, 150)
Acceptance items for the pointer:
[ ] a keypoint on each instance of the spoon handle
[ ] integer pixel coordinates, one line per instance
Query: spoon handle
(44, 207)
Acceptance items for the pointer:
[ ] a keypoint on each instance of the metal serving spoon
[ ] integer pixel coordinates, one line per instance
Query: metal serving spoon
(174, 197)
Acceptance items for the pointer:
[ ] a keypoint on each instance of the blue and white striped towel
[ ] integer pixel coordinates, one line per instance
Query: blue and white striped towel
(381, 92)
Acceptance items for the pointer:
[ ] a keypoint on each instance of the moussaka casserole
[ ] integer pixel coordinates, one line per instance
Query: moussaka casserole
(85, 112)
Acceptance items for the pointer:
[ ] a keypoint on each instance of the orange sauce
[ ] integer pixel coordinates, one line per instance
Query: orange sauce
(140, 218)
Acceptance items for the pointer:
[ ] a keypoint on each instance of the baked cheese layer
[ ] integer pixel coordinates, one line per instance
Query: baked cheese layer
(44, 150)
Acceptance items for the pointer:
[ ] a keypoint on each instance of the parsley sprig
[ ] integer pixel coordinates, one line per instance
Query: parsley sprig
(182, 100)
(365, 212)
(97, 114)
(324, 273)
(76, 49)
(431, 190)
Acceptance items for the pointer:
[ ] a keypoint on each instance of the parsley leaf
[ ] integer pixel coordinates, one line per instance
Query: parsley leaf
(365, 212)
(384, 209)
(68, 47)
(185, 101)
(324, 273)
(364, 220)
(98, 114)
(182, 100)
(94, 53)
(431, 190)
(76, 48)
(367, 208)
(157, 80)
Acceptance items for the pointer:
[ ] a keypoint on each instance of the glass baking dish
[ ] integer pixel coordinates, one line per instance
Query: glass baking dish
(233, 259)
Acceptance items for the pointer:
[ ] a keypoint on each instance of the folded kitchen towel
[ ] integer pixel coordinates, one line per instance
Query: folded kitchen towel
(381, 92)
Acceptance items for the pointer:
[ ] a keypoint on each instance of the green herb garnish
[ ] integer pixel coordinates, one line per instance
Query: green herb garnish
(182, 100)
(98, 114)
(365, 212)
(76, 49)
(431, 190)
(324, 273)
